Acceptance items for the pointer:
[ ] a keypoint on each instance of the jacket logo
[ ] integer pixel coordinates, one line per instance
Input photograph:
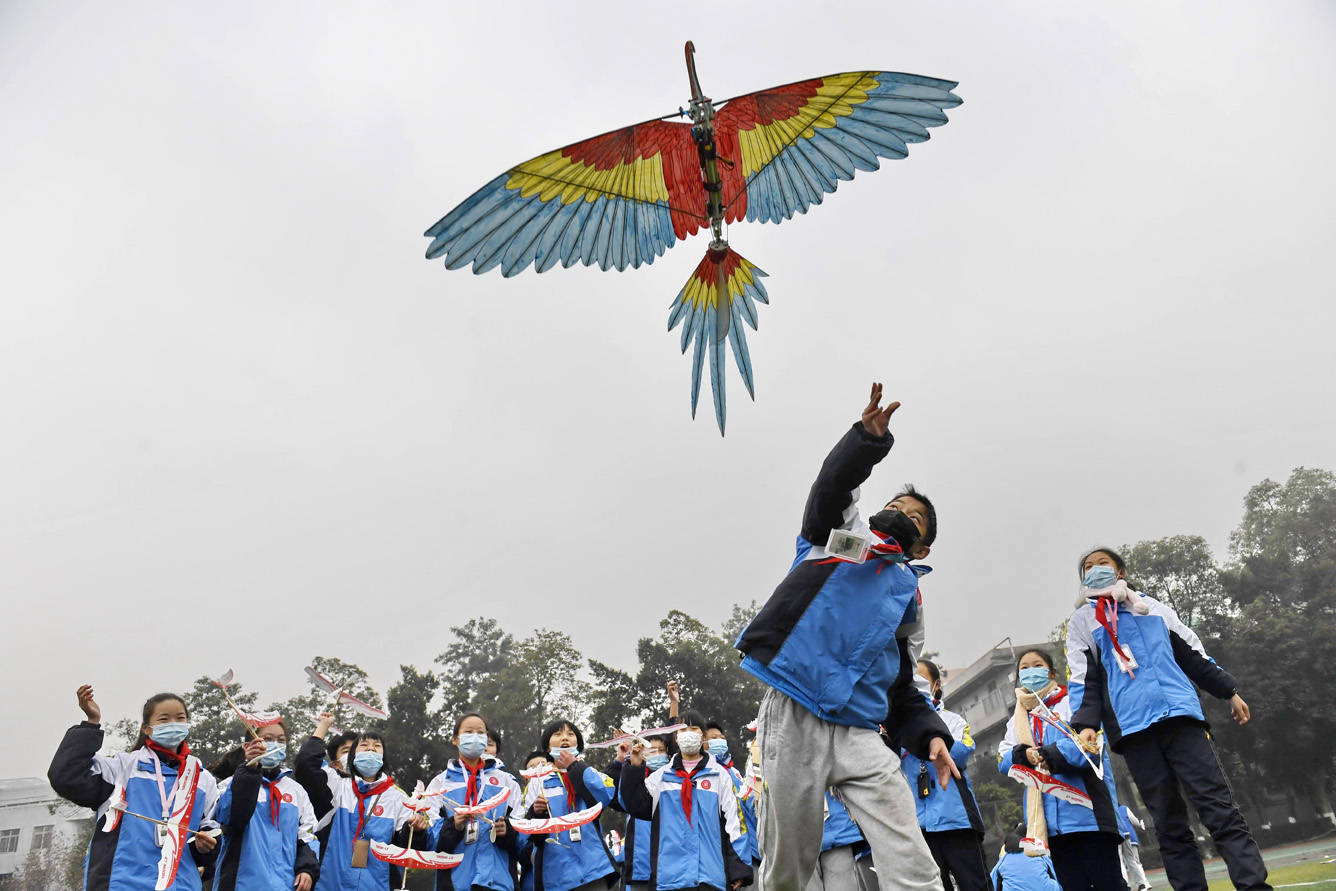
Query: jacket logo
(379, 810)
(287, 797)
(494, 781)
(705, 784)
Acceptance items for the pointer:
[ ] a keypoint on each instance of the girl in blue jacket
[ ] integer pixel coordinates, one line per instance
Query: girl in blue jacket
(269, 842)
(1083, 840)
(1015, 871)
(636, 846)
(1135, 669)
(573, 858)
(949, 817)
(360, 807)
(717, 742)
(475, 778)
(693, 814)
(144, 782)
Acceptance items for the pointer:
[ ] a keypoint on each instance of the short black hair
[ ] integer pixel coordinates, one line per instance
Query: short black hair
(537, 754)
(1118, 560)
(545, 739)
(930, 534)
(494, 736)
(459, 722)
(715, 725)
(1038, 651)
(694, 719)
(335, 742)
(352, 751)
(936, 674)
(1011, 842)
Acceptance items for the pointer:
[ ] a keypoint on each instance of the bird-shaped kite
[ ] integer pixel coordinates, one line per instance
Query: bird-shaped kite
(623, 198)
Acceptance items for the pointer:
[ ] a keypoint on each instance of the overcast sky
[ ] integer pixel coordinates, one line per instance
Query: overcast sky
(247, 423)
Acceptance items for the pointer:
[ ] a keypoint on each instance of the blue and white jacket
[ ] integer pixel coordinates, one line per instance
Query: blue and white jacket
(954, 807)
(380, 817)
(1169, 657)
(842, 639)
(559, 863)
(486, 863)
(1065, 761)
(1126, 825)
(838, 829)
(1017, 872)
(635, 857)
(693, 832)
(126, 859)
(747, 846)
(269, 832)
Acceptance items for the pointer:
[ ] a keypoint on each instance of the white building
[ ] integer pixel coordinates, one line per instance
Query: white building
(34, 819)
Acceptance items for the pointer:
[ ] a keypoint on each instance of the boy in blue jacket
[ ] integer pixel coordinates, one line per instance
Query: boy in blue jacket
(1135, 669)
(838, 643)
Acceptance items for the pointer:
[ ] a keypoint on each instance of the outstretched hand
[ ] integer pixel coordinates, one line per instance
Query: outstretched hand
(940, 756)
(876, 420)
(90, 708)
(1239, 710)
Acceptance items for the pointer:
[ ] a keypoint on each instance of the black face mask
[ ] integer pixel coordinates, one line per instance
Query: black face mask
(896, 525)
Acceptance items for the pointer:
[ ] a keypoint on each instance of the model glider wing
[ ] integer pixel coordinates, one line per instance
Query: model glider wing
(616, 200)
(362, 708)
(793, 144)
(474, 810)
(557, 824)
(541, 770)
(1049, 785)
(409, 858)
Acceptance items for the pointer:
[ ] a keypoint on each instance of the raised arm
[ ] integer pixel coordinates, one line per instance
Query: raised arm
(75, 772)
(832, 502)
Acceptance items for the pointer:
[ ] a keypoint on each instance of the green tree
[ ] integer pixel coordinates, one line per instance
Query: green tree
(415, 739)
(301, 712)
(1284, 550)
(1180, 570)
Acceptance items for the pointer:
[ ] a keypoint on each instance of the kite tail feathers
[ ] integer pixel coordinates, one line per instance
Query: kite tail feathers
(712, 307)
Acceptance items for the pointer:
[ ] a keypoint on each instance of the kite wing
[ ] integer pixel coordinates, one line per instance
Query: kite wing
(617, 200)
(408, 858)
(793, 144)
(1049, 785)
(557, 824)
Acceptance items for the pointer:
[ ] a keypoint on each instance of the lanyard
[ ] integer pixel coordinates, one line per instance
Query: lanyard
(162, 784)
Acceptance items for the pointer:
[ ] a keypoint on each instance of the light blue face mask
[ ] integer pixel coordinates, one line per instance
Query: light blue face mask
(719, 749)
(368, 764)
(655, 762)
(1099, 577)
(1034, 679)
(575, 753)
(274, 755)
(472, 745)
(169, 736)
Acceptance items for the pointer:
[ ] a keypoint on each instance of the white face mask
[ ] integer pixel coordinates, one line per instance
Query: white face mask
(689, 742)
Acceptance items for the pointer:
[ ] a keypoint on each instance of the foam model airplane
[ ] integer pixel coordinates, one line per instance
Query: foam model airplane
(345, 699)
(640, 737)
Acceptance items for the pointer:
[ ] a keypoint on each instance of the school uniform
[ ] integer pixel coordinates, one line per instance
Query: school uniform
(486, 863)
(635, 855)
(1137, 675)
(126, 859)
(747, 846)
(694, 824)
(950, 817)
(1083, 840)
(837, 867)
(357, 810)
(1016, 871)
(838, 643)
(576, 857)
(269, 832)
(1129, 850)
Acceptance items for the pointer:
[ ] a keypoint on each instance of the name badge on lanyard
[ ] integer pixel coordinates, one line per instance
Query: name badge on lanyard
(160, 835)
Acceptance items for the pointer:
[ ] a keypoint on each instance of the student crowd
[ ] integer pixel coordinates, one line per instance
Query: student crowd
(856, 780)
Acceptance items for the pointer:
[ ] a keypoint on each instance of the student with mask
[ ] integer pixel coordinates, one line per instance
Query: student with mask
(494, 746)
(1135, 670)
(268, 824)
(638, 842)
(365, 806)
(1083, 840)
(574, 858)
(949, 817)
(837, 643)
(333, 747)
(156, 774)
(693, 814)
(717, 743)
(1015, 871)
(475, 778)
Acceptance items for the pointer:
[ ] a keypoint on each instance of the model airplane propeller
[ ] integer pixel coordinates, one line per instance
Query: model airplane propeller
(623, 198)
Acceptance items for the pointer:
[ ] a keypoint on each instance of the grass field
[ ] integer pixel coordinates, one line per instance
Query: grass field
(1315, 876)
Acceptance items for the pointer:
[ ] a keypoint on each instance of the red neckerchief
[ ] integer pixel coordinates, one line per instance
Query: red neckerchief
(689, 785)
(361, 801)
(177, 756)
(1036, 724)
(471, 790)
(570, 792)
(275, 797)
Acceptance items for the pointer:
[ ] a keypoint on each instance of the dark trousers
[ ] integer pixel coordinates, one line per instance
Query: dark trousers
(1175, 757)
(959, 855)
(1087, 860)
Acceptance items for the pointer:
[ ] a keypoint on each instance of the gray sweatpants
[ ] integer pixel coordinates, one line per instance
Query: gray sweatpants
(835, 871)
(1136, 876)
(802, 755)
